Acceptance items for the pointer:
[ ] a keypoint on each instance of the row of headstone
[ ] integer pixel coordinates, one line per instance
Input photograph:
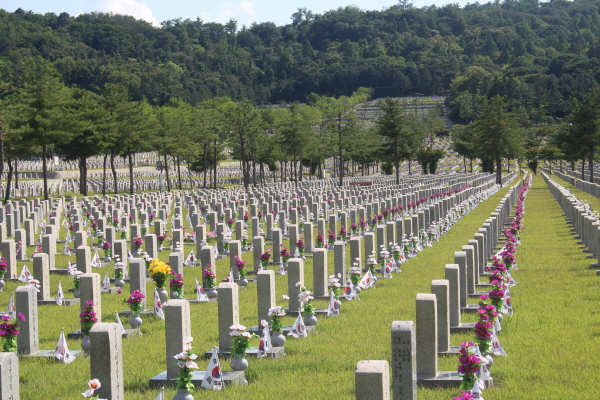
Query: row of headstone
(415, 346)
(584, 222)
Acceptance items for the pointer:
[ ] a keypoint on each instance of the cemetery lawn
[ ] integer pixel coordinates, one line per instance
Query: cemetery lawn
(551, 337)
(543, 339)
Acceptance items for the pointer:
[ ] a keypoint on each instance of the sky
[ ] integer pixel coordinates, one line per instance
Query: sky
(244, 11)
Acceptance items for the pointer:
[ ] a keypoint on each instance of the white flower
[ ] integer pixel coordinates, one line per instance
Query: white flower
(235, 333)
(88, 393)
(246, 335)
(188, 339)
(181, 356)
(180, 364)
(94, 384)
(237, 327)
(263, 322)
(285, 296)
(191, 365)
(299, 284)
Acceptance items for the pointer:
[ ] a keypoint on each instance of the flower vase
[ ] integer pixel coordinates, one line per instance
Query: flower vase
(119, 283)
(212, 293)
(183, 394)
(107, 259)
(357, 289)
(2, 284)
(85, 344)
(310, 319)
(277, 339)
(490, 360)
(76, 293)
(162, 294)
(239, 363)
(242, 282)
(135, 321)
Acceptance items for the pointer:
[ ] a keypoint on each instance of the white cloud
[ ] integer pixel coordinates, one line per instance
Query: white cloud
(231, 10)
(126, 7)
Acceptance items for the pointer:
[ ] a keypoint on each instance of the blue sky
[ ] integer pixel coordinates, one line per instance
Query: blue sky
(244, 11)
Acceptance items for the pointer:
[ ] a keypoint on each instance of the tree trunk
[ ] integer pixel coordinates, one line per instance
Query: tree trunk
(591, 163)
(253, 169)
(45, 171)
(179, 171)
(8, 180)
(166, 167)
(465, 163)
(114, 170)
(131, 184)
(397, 164)
(262, 172)
(104, 177)
(215, 164)
(205, 162)
(499, 171)
(83, 176)
(189, 170)
(583, 167)
(16, 172)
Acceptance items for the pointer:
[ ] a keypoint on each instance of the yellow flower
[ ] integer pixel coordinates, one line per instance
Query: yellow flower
(157, 267)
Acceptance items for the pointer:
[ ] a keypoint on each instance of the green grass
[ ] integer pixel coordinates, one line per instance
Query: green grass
(554, 279)
(556, 320)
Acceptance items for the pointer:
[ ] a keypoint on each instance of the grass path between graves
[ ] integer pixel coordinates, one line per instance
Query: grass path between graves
(320, 366)
(552, 336)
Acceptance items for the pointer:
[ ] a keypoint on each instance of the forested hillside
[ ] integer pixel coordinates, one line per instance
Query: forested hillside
(539, 53)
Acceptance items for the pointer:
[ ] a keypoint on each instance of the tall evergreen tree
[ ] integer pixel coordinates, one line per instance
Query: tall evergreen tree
(496, 134)
(38, 110)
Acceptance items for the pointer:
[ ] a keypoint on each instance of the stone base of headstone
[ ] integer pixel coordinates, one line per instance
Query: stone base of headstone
(447, 379)
(111, 290)
(595, 265)
(235, 378)
(127, 313)
(485, 284)
(470, 308)
(452, 350)
(112, 280)
(60, 271)
(50, 354)
(77, 335)
(310, 330)
(463, 328)
(65, 302)
(477, 294)
(235, 280)
(131, 333)
(275, 352)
